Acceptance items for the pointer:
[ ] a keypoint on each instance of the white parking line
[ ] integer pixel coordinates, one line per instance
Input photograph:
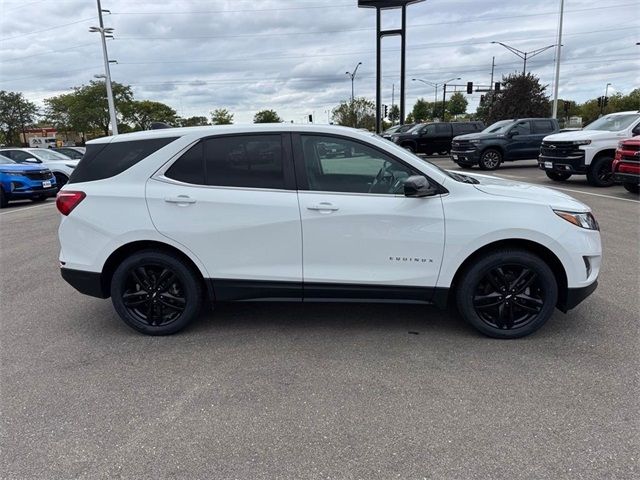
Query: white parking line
(26, 208)
(571, 189)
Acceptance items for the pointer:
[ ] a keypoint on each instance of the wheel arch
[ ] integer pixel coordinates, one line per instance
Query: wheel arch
(497, 147)
(538, 249)
(607, 152)
(124, 251)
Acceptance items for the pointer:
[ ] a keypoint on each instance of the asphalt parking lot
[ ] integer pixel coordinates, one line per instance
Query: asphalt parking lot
(269, 391)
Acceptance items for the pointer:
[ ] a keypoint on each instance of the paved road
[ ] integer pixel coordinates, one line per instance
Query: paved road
(316, 391)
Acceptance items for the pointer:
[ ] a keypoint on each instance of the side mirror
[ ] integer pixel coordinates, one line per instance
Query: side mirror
(418, 186)
(513, 133)
(31, 160)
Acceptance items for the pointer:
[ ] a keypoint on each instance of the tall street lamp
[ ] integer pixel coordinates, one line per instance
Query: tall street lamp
(444, 95)
(104, 33)
(431, 84)
(353, 77)
(525, 55)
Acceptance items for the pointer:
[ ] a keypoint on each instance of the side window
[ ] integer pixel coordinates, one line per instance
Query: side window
(523, 128)
(341, 165)
(20, 156)
(542, 126)
(245, 161)
(458, 128)
(189, 168)
(443, 128)
(428, 129)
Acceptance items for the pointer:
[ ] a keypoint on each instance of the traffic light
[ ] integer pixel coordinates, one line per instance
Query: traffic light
(496, 87)
(566, 106)
(600, 101)
(310, 118)
(605, 101)
(469, 88)
(386, 111)
(481, 99)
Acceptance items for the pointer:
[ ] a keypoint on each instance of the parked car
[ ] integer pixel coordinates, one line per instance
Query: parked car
(59, 164)
(626, 165)
(589, 151)
(430, 138)
(503, 141)
(396, 129)
(74, 153)
(24, 182)
(194, 214)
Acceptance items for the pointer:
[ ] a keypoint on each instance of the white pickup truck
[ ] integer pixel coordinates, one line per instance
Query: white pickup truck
(588, 151)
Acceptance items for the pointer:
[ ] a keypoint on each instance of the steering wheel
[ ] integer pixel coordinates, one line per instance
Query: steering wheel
(384, 178)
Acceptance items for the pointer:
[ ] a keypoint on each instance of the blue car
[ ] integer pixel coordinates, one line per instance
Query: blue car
(19, 181)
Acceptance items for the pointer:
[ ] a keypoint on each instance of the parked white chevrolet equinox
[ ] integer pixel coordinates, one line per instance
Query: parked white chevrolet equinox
(164, 220)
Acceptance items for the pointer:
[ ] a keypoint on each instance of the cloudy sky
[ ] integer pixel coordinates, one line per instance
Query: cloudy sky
(291, 55)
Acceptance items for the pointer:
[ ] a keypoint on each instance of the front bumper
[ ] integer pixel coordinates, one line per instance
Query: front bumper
(627, 178)
(34, 192)
(573, 165)
(574, 296)
(465, 157)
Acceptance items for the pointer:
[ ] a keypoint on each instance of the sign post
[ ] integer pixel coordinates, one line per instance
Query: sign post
(380, 5)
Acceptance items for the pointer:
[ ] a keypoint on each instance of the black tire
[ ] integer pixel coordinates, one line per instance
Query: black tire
(3, 199)
(409, 147)
(488, 299)
(163, 294)
(490, 159)
(39, 199)
(599, 173)
(61, 179)
(558, 176)
(465, 166)
(632, 187)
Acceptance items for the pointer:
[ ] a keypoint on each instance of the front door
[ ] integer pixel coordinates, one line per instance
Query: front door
(361, 235)
(520, 145)
(231, 201)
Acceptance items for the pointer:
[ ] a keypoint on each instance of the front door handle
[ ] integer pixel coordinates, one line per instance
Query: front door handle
(180, 199)
(323, 207)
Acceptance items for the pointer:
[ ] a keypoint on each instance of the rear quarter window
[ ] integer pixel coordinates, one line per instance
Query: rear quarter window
(105, 160)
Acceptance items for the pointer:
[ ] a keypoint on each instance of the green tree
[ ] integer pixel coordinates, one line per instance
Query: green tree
(394, 114)
(58, 112)
(221, 116)
(266, 116)
(361, 113)
(142, 113)
(457, 104)
(409, 118)
(422, 110)
(192, 121)
(521, 96)
(91, 111)
(16, 114)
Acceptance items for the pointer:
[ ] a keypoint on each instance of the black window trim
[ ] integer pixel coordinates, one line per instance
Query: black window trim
(287, 163)
(301, 172)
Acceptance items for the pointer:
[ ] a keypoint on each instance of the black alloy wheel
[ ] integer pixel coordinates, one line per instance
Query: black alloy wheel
(599, 173)
(490, 159)
(156, 292)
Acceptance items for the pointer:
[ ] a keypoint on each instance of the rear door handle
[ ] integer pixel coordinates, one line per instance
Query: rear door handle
(323, 207)
(180, 199)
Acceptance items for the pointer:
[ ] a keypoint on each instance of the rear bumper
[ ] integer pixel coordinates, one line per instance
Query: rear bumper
(88, 283)
(575, 296)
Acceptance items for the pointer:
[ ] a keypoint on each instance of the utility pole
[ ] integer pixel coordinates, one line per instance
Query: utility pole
(353, 77)
(558, 53)
(104, 32)
(493, 67)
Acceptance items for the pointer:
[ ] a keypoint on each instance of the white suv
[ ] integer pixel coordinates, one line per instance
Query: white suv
(163, 220)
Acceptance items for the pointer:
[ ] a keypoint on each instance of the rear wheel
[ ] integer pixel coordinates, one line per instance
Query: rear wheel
(599, 173)
(631, 187)
(3, 199)
(558, 176)
(490, 159)
(507, 293)
(409, 147)
(156, 293)
(61, 180)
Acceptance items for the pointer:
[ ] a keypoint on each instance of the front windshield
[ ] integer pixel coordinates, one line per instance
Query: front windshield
(43, 154)
(393, 129)
(499, 127)
(5, 160)
(416, 128)
(613, 123)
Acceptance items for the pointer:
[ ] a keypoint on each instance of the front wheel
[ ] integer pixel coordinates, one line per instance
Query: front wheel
(632, 187)
(558, 176)
(490, 159)
(410, 148)
(156, 293)
(507, 294)
(599, 173)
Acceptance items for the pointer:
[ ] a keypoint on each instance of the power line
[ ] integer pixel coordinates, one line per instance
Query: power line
(244, 10)
(47, 29)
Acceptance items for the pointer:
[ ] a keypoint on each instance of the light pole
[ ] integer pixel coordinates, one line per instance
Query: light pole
(604, 99)
(558, 54)
(104, 33)
(434, 85)
(444, 95)
(353, 77)
(525, 55)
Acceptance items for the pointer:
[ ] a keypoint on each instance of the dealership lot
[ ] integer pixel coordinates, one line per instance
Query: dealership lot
(317, 391)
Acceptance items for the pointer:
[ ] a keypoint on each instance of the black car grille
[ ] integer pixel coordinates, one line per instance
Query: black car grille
(42, 175)
(462, 145)
(560, 149)
(630, 158)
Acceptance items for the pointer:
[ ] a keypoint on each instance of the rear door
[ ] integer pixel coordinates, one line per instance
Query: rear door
(360, 233)
(444, 136)
(541, 128)
(231, 200)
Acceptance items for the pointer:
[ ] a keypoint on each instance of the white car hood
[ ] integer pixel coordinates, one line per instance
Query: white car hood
(527, 191)
(583, 135)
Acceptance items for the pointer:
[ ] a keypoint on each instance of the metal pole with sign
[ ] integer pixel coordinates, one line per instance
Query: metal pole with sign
(380, 5)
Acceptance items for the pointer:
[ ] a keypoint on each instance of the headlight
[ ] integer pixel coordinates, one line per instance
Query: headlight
(584, 220)
(620, 145)
(475, 142)
(70, 165)
(582, 142)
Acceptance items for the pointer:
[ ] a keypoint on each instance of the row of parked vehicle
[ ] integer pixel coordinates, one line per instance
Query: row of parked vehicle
(561, 154)
(35, 173)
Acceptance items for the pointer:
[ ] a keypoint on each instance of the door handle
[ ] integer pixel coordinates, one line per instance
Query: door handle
(180, 199)
(323, 207)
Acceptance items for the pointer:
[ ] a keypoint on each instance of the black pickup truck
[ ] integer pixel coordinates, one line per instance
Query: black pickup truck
(504, 141)
(434, 137)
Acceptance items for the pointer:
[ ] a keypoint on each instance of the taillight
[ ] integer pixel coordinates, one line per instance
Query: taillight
(67, 200)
